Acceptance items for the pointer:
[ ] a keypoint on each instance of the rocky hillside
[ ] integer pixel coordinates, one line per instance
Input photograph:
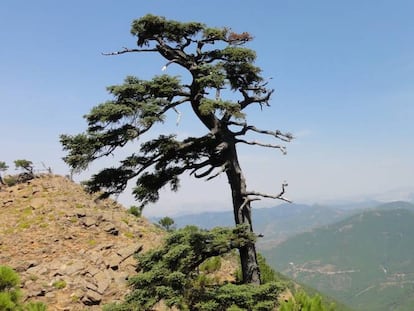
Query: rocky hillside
(71, 251)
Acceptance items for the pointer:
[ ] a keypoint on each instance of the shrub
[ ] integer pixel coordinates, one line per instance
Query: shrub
(35, 306)
(8, 279)
(59, 284)
(135, 210)
(9, 289)
(10, 293)
(10, 180)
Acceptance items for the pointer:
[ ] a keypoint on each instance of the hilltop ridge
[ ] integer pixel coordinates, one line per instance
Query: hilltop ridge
(71, 251)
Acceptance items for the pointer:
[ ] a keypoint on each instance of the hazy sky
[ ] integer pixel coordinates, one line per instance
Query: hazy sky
(343, 73)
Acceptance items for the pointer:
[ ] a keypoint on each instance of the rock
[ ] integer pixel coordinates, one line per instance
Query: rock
(91, 270)
(110, 228)
(50, 295)
(91, 298)
(128, 251)
(26, 265)
(94, 257)
(121, 278)
(36, 203)
(113, 261)
(38, 270)
(103, 281)
(73, 268)
(35, 290)
(88, 221)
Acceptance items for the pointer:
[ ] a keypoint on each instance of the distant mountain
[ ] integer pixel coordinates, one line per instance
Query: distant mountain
(365, 261)
(276, 223)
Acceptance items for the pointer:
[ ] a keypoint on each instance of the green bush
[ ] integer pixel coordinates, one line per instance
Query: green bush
(8, 279)
(9, 289)
(10, 180)
(59, 284)
(135, 210)
(10, 293)
(35, 306)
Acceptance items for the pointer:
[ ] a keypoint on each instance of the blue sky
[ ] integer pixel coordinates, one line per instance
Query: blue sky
(343, 72)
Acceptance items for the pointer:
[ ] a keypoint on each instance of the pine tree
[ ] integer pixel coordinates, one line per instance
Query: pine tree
(216, 60)
(3, 168)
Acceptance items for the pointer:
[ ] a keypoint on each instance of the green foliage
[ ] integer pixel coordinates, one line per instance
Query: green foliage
(9, 289)
(236, 297)
(7, 302)
(10, 294)
(303, 302)
(172, 274)
(59, 284)
(139, 104)
(8, 279)
(166, 223)
(136, 210)
(3, 166)
(150, 26)
(35, 306)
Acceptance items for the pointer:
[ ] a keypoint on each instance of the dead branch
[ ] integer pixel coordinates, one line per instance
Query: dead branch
(280, 147)
(127, 50)
(223, 168)
(287, 137)
(270, 196)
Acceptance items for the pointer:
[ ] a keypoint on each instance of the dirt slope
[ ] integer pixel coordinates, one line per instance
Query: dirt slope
(71, 251)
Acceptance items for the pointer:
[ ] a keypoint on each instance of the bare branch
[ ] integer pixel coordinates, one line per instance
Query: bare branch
(262, 100)
(127, 50)
(282, 148)
(270, 196)
(287, 137)
(204, 174)
(178, 115)
(223, 168)
(167, 64)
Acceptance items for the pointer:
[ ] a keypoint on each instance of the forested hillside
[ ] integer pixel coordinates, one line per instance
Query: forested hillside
(365, 261)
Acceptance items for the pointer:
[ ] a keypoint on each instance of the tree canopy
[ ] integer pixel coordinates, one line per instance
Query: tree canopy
(216, 60)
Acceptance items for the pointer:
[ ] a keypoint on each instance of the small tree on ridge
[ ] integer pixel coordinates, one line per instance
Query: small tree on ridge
(3, 168)
(215, 60)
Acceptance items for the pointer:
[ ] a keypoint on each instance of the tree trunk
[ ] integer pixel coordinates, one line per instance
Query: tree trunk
(242, 215)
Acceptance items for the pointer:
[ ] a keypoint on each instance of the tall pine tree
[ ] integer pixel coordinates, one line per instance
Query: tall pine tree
(216, 60)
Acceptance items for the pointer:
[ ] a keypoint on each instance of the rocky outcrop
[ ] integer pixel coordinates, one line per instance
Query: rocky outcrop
(71, 251)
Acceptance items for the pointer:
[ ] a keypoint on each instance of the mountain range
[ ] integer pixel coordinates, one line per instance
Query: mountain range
(365, 261)
(277, 223)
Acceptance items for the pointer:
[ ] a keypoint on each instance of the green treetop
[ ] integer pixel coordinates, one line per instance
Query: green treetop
(216, 59)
